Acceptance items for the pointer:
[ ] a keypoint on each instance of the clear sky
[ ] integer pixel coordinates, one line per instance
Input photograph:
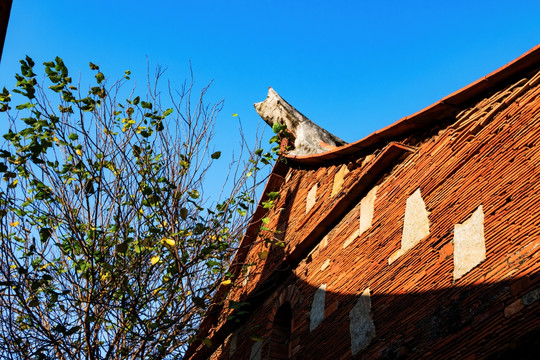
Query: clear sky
(353, 67)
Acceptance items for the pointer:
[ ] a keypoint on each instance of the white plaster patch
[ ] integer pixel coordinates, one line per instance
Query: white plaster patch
(366, 210)
(246, 276)
(351, 238)
(339, 179)
(469, 243)
(415, 225)
(395, 255)
(416, 222)
(289, 175)
(361, 324)
(311, 198)
(324, 242)
(325, 264)
(367, 159)
(317, 308)
(232, 344)
(255, 353)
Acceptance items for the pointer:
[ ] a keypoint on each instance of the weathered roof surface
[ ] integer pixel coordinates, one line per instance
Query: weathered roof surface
(305, 230)
(433, 113)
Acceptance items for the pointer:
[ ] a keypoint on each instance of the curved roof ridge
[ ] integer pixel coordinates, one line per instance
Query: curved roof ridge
(432, 113)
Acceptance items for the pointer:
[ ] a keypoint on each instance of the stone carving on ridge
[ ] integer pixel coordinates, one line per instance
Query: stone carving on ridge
(309, 138)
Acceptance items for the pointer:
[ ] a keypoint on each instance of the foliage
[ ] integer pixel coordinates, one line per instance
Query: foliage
(108, 249)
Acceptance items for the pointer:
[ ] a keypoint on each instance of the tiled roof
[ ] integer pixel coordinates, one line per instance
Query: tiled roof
(470, 157)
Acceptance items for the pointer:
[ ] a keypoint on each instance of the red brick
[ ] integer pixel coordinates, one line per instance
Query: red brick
(513, 308)
(446, 252)
(520, 286)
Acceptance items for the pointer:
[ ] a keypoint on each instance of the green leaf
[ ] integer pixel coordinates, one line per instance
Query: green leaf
(268, 204)
(122, 247)
(278, 128)
(13, 185)
(183, 213)
(60, 328)
(34, 302)
(242, 212)
(100, 77)
(216, 155)
(45, 234)
(24, 106)
(207, 342)
(167, 112)
(30, 61)
(73, 330)
(273, 195)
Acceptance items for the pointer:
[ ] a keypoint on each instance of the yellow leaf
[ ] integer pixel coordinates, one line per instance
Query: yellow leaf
(226, 282)
(15, 223)
(104, 275)
(154, 260)
(235, 114)
(263, 255)
(79, 152)
(167, 241)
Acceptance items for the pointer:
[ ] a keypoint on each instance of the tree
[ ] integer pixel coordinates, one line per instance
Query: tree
(109, 249)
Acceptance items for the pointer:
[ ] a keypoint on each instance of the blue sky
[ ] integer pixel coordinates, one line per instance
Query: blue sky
(353, 67)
